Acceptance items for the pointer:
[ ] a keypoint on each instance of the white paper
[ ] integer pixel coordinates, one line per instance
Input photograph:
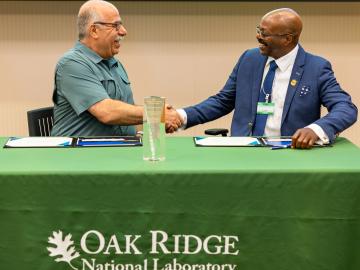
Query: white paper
(227, 141)
(39, 142)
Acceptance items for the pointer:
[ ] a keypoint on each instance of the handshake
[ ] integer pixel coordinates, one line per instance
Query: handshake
(173, 120)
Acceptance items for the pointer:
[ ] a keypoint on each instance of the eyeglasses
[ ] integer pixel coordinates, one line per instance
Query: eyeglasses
(116, 25)
(263, 35)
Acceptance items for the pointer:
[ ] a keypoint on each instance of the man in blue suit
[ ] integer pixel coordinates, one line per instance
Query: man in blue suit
(277, 89)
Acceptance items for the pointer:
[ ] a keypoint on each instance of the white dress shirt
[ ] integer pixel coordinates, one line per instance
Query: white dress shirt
(281, 82)
(280, 85)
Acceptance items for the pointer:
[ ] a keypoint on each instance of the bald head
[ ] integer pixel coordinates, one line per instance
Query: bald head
(286, 20)
(90, 12)
(278, 32)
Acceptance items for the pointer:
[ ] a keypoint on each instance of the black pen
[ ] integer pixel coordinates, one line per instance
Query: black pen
(280, 147)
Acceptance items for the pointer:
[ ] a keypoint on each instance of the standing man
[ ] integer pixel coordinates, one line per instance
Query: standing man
(278, 89)
(92, 94)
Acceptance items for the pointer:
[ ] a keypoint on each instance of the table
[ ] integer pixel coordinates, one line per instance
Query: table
(221, 208)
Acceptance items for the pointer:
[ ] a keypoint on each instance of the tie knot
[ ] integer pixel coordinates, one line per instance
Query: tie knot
(273, 65)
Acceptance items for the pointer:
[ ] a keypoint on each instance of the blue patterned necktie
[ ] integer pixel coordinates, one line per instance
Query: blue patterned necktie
(260, 120)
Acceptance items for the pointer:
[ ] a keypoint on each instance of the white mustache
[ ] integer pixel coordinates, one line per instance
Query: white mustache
(119, 38)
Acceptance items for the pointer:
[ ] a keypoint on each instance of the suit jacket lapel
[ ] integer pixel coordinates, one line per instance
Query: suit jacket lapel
(257, 79)
(294, 81)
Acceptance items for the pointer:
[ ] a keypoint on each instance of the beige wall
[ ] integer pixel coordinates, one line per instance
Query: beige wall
(181, 50)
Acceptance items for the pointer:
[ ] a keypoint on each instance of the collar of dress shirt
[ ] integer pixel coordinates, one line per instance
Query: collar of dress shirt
(285, 61)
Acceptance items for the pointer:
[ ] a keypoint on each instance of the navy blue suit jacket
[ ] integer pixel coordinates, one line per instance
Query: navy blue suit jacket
(241, 91)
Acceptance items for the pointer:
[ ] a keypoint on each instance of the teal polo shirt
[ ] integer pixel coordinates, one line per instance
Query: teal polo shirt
(83, 78)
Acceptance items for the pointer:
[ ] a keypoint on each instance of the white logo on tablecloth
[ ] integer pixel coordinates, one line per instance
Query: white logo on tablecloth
(161, 243)
(64, 251)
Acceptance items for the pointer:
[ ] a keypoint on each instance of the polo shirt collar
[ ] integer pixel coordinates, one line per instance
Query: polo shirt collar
(93, 55)
(112, 61)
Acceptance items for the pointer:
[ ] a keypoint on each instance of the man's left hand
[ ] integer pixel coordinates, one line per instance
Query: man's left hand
(304, 138)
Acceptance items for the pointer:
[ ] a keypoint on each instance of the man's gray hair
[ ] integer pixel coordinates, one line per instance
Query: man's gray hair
(88, 14)
(84, 18)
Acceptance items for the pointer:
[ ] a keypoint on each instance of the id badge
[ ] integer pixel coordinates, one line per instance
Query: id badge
(265, 108)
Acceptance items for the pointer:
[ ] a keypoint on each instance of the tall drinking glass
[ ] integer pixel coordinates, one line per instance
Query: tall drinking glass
(154, 128)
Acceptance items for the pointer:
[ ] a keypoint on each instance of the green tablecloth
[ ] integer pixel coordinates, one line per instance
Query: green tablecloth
(238, 208)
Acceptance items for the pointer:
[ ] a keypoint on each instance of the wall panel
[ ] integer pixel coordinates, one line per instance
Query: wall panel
(181, 50)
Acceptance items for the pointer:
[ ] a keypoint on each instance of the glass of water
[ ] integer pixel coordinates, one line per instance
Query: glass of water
(154, 128)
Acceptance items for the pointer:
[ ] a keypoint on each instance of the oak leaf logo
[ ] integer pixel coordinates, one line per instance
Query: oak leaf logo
(64, 251)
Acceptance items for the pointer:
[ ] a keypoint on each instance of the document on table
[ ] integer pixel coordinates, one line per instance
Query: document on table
(108, 141)
(282, 142)
(36, 142)
(227, 141)
(27, 142)
(273, 142)
(277, 142)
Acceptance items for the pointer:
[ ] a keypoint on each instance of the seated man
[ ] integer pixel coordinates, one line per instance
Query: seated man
(278, 89)
(92, 95)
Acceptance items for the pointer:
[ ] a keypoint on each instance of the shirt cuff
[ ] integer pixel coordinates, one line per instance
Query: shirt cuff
(323, 138)
(184, 117)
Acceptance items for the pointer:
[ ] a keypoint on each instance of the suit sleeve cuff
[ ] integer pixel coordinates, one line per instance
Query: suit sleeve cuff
(184, 117)
(323, 138)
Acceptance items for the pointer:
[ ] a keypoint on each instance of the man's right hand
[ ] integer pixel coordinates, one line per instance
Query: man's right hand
(173, 120)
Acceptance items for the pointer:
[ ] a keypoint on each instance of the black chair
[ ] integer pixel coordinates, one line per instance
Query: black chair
(217, 131)
(40, 121)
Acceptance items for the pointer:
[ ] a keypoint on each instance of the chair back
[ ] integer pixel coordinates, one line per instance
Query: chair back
(40, 121)
(217, 131)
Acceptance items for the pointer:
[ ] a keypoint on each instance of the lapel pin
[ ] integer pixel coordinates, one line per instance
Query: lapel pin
(293, 82)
